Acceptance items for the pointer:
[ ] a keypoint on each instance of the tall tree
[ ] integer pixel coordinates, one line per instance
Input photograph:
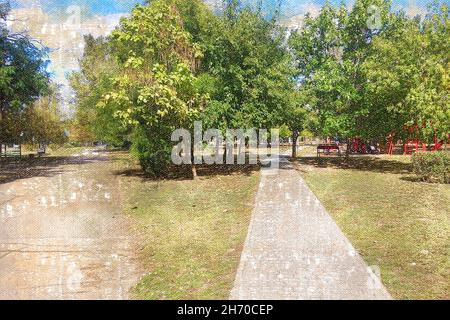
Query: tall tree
(98, 68)
(374, 71)
(407, 71)
(250, 75)
(23, 75)
(153, 93)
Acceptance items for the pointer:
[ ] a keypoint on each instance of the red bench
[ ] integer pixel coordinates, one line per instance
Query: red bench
(328, 148)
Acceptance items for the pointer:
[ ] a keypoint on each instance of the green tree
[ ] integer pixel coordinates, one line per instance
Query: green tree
(98, 68)
(42, 123)
(23, 76)
(329, 51)
(407, 73)
(297, 115)
(374, 71)
(154, 93)
(39, 123)
(250, 75)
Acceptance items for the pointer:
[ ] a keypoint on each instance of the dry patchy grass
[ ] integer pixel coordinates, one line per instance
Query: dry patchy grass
(394, 221)
(194, 231)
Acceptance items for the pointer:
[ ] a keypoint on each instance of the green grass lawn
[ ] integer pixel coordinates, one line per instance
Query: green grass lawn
(194, 232)
(394, 221)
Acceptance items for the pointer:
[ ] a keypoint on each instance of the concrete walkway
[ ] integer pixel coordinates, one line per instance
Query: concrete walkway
(63, 234)
(294, 249)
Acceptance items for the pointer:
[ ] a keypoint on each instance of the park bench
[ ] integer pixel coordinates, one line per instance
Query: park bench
(327, 149)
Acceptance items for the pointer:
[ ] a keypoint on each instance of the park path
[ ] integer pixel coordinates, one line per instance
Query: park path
(295, 250)
(63, 235)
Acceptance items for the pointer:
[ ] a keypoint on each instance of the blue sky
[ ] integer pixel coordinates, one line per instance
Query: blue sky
(106, 7)
(99, 7)
(56, 8)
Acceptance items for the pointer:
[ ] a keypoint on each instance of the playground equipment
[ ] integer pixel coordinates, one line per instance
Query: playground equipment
(413, 143)
(390, 144)
(357, 145)
(437, 145)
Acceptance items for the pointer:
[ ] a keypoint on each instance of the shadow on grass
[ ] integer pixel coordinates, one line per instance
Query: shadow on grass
(431, 181)
(365, 163)
(184, 172)
(12, 169)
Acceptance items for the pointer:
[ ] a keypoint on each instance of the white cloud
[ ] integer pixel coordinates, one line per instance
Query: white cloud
(414, 10)
(64, 38)
(296, 21)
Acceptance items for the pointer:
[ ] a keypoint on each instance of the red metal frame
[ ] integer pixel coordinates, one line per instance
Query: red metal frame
(391, 144)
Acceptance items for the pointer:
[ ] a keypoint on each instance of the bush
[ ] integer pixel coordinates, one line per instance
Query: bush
(432, 166)
(153, 152)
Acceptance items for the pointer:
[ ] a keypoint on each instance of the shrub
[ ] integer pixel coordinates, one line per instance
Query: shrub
(432, 166)
(152, 151)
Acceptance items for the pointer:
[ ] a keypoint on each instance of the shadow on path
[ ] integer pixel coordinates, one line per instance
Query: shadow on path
(12, 169)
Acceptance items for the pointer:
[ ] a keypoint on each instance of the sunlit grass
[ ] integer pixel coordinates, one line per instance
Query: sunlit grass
(194, 232)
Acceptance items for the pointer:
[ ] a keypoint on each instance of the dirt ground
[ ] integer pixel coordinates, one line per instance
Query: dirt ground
(63, 234)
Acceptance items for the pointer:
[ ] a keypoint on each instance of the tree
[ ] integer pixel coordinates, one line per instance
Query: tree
(173, 62)
(23, 76)
(42, 123)
(153, 93)
(329, 50)
(297, 115)
(249, 76)
(407, 72)
(98, 68)
(39, 123)
(372, 78)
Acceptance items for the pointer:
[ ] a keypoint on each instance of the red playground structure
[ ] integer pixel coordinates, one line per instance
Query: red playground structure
(357, 145)
(390, 144)
(437, 145)
(414, 144)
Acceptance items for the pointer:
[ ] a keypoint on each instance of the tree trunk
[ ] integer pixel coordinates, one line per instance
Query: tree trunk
(193, 167)
(347, 152)
(194, 172)
(295, 134)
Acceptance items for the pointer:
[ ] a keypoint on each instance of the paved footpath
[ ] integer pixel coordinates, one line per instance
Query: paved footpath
(295, 250)
(63, 234)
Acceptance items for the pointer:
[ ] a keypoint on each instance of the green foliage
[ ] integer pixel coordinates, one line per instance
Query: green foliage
(285, 132)
(407, 73)
(250, 75)
(38, 123)
(346, 73)
(153, 92)
(42, 123)
(172, 62)
(98, 67)
(23, 80)
(22, 72)
(370, 82)
(432, 166)
(152, 151)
